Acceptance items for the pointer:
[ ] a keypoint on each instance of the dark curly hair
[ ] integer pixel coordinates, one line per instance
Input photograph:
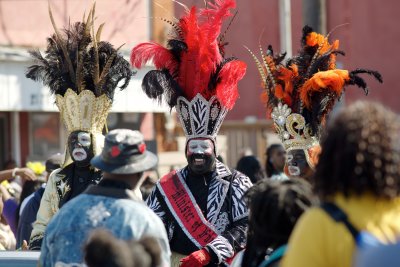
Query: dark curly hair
(275, 207)
(103, 249)
(251, 167)
(360, 153)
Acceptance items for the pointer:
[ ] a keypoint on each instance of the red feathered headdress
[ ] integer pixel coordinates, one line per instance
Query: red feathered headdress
(193, 62)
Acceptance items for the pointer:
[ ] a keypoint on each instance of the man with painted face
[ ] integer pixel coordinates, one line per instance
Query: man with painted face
(200, 156)
(201, 204)
(81, 150)
(83, 88)
(301, 92)
(215, 192)
(301, 162)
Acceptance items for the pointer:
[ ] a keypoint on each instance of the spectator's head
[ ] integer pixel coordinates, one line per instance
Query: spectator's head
(148, 184)
(103, 249)
(125, 157)
(361, 153)
(53, 162)
(275, 207)
(251, 167)
(275, 159)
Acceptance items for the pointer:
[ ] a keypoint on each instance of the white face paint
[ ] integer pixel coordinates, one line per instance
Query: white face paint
(84, 139)
(200, 146)
(293, 170)
(79, 154)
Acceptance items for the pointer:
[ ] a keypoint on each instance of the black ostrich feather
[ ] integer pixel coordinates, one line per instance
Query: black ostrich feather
(75, 58)
(159, 83)
(360, 82)
(214, 79)
(177, 47)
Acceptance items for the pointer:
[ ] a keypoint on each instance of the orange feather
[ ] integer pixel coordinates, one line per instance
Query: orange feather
(333, 80)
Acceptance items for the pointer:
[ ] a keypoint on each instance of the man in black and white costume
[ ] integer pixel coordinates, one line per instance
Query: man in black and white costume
(201, 205)
(218, 192)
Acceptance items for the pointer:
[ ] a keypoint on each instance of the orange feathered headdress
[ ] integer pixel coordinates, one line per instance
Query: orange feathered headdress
(302, 91)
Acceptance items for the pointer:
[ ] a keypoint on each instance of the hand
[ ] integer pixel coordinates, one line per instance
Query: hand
(196, 259)
(24, 245)
(26, 174)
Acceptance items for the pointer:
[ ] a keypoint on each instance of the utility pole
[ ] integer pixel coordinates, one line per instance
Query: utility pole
(314, 15)
(285, 27)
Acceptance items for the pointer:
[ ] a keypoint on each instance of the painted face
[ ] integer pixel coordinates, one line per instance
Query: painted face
(79, 145)
(297, 164)
(200, 155)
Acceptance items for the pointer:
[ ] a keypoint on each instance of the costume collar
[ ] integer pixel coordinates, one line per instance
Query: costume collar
(221, 171)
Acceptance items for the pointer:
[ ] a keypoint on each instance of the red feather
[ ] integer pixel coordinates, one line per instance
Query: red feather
(161, 56)
(199, 61)
(202, 56)
(214, 15)
(189, 69)
(229, 76)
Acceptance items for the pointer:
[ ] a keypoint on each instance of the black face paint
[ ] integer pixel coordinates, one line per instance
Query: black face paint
(298, 165)
(80, 148)
(200, 155)
(207, 165)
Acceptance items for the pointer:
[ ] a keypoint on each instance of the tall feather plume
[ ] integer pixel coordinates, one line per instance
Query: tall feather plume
(67, 60)
(193, 58)
(73, 58)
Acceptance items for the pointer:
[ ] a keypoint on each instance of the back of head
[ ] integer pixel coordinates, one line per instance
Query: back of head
(361, 153)
(251, 167)
(54, 162)
(275, 207)
(146, 252)
(103, 249)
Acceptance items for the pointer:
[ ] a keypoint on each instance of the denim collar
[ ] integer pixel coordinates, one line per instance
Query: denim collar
(113, 192)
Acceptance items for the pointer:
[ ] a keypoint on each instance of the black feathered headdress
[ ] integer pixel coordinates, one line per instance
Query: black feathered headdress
(78, 67)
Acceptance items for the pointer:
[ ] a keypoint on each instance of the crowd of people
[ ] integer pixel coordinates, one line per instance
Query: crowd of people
(347, 215)
(327, 195)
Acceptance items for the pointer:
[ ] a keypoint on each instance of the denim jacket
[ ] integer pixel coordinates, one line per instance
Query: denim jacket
(114, 209)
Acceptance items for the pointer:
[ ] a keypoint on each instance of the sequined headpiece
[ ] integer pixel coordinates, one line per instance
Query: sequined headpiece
(191, 72)
(301, 93)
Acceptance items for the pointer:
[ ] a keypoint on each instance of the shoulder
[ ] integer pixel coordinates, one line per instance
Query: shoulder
(171, 175)
(55, 176)
(317, 240)
(314, 218)
(135, 210)
(240, 180)
(312, 228)
(75, 205)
